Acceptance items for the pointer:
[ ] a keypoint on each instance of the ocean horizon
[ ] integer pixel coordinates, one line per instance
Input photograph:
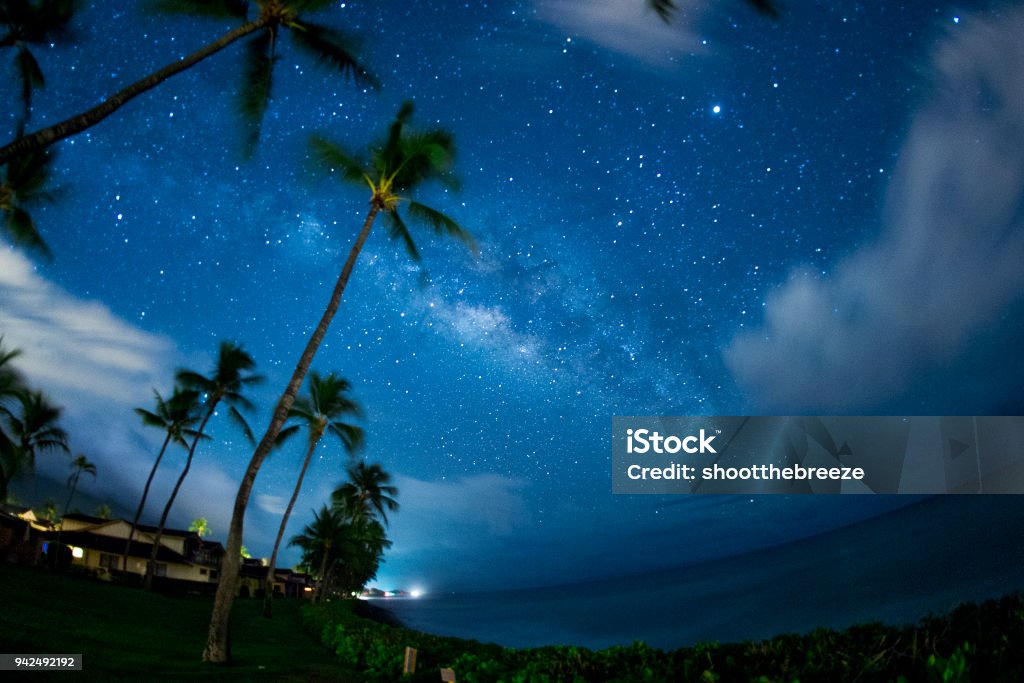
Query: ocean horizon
(895, 568)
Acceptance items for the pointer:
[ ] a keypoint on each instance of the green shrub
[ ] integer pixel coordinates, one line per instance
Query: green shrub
(938, 649)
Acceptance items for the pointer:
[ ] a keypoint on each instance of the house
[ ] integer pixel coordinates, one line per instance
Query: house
(287, 583)
(98, 545)
(21, 535)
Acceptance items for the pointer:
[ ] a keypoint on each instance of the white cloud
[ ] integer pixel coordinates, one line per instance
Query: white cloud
(77, 346)
(274, 505)
(628, 26)
(456, 514)
(947, 265)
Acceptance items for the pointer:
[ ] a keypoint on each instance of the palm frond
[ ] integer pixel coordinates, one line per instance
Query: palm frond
(442, 224)
(28, 174)
(257, 80)
(215, 9)
(337, 159)
(285, 434)
(30, 77)
(351, 436)
(193, 380)
(332, 48)
(239, 420)
(21, 228)
(396, 229)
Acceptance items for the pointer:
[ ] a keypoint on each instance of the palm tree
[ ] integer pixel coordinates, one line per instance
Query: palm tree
(80, 464)
(25, 23)
(319, 542)
(229, 378)
(200, 526)
(23, 185)
(359, 557)
(326, 45)
(32, 429)
(366, 492)
(320, 413)
(175, 416)
(402, 162)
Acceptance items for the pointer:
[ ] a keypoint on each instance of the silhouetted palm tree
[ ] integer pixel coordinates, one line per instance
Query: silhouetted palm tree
(230, 377)
(175, 417)
(23, 184)
(366, 492)
(320, 414)
(326, 45)
(27, 23)
(79, 465)
(397, 166)
(31, 429)
(359, 556)
(320, 541)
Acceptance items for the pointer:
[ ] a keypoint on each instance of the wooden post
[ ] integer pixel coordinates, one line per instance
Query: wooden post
(409, 666)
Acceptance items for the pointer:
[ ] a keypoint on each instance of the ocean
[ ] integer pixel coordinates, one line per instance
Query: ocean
(895, 568)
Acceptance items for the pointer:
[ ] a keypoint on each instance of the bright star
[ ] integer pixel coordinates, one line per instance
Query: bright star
(717, 109)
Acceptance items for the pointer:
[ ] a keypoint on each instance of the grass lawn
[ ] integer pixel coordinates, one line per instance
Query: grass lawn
(129, 634)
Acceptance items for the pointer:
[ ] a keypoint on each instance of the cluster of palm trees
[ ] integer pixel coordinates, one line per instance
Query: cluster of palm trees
(357, 539)
(29, 426)
(345, 541)
(28, 423)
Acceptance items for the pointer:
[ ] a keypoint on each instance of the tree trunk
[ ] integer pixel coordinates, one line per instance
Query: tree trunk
(268, 590)
(74, 485)
(217, 639)
(76, 124)
(142, 502)
(151, 567)
(322, 591)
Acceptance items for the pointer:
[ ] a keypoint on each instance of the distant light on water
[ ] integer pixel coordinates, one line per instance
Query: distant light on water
(416, 593)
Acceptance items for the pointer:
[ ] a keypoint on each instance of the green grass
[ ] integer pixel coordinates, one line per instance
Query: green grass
(127, 634)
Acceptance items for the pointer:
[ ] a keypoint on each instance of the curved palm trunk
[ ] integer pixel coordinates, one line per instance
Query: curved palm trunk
(217, 639)
(76, 124)
(74, 485)
(151, 567)
(268, 585)
(142, 502)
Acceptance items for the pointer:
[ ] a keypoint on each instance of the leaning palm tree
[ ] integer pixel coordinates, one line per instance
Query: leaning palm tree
(31, 429)
(27, 23)
(396, 167)
(367, 492)
(321, 414)
(230, 377)
(326, 45)
(79, 465)
(23, 185)
(175, 416)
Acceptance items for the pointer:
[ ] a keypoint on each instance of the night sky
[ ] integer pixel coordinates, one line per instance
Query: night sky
(730, 215)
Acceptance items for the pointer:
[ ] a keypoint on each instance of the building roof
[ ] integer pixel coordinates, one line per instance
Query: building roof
(115, 546)
(99, 521)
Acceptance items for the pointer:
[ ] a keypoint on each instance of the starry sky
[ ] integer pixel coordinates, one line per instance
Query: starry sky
(820, 214)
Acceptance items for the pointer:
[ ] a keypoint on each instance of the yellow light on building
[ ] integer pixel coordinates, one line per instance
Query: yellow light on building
(77, 553)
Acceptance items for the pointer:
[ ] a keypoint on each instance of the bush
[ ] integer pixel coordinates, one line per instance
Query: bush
(974, 642)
